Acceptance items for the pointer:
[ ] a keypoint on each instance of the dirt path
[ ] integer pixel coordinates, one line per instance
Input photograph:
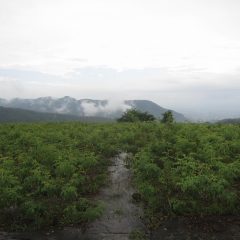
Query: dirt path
(121, 217)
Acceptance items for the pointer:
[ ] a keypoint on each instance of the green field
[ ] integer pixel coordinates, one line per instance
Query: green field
(50, 172)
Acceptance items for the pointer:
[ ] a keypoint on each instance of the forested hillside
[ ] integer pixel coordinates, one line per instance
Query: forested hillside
(14, 115)
(88, 107)
(230, 120)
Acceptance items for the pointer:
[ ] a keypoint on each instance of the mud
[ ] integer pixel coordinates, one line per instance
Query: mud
(121, 217)
(208, 228)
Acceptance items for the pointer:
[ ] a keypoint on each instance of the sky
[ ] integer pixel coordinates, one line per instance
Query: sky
(182, 54)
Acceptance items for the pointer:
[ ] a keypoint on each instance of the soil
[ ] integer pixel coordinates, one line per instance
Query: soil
(208, 228)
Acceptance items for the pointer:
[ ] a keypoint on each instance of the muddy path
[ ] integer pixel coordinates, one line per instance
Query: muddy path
(121, 217)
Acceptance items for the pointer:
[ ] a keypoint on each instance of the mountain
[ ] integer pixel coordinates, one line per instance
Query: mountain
(87, 107)
(154, 109)
(230, 121)
(20, 115)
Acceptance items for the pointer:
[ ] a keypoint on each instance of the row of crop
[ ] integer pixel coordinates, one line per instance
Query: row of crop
(48, 173)
(190, 170)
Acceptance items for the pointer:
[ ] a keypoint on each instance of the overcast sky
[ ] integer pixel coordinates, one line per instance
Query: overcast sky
(182, 54)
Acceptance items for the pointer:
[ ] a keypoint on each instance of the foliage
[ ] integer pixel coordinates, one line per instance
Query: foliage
(49, 172)
(137, 235)
(133, 115)
(167, 117)
(192, 170)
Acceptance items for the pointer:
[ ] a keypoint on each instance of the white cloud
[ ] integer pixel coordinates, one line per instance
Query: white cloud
(113, 105)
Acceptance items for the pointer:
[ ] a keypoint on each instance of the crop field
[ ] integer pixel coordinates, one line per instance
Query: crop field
(50, 172)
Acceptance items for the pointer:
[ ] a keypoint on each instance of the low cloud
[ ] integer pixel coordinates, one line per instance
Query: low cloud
(105, 108)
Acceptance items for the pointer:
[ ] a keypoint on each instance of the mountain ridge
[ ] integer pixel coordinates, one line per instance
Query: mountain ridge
(14, 115)
(229, 121)
(87, 107)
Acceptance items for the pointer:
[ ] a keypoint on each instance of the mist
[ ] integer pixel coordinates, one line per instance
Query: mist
(113, 105)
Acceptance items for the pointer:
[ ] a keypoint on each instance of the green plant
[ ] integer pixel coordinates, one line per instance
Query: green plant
(133, 115)
(137, 235)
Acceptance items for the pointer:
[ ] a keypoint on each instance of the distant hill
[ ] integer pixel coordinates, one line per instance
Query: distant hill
(12, 115)
(88, 107)
(154, 109)
(230, 120)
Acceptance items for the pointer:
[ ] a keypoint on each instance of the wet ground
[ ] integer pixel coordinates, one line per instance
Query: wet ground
(122, 219)
(209, 228)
